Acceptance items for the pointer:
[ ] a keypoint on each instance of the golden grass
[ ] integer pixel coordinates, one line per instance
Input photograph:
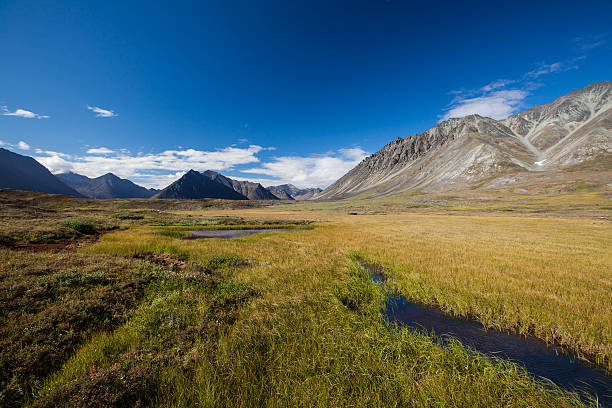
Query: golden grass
(550, 277)
(298, 342)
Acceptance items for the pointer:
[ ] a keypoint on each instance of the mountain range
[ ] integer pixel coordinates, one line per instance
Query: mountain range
(211, 184)
(25, 173)
(572, 133)
(476, 152)
(106, 186)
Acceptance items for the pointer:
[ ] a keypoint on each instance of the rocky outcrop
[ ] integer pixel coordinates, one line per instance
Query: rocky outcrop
(253, 191)
(291, 192)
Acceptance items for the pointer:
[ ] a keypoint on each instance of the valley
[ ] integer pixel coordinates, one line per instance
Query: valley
(132, 312)
(317, 204)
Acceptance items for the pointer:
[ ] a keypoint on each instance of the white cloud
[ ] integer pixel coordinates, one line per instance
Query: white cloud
(354, 153)
(22, 113)
(23, 145)
(496, 105)
(100, 150)
(158, 170)
(152, 170)
(102, 113)
(313, 171)
(57, 163)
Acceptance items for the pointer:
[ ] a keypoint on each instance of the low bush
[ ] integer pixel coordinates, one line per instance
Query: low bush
(81, 227)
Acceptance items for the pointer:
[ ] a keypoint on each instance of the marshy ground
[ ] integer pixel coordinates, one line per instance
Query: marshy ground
(103, 304)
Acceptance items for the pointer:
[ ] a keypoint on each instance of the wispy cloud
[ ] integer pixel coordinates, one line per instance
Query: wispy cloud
(22, 113)
(100, 150)
(23, 145)
(51, 153)
(556, 67)
(102, 113)
(589, 42)
(313, 171)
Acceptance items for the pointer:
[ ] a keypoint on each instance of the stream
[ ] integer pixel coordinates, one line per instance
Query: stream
(540, 359)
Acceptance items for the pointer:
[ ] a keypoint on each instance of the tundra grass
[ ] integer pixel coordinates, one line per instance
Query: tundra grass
(50, 304)
(281, 331)
(313, 321)
(548, 277)
(288, 319)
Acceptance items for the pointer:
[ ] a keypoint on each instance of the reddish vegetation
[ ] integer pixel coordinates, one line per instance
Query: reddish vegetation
(112, 386)
(55, 302)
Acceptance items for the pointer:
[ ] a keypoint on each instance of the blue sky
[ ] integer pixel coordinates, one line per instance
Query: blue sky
(274, 91)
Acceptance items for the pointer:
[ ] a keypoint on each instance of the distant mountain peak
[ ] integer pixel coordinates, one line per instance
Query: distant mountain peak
(195, 185)
(291, 192)
(108, 185)
(24, 173)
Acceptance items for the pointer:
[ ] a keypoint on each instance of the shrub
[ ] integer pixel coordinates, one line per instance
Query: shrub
(81, 227)
(6, 241)
(218, 262)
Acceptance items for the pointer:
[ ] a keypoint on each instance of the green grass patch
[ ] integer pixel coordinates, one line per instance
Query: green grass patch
(177, 234)
(224, 261)
(80, 227)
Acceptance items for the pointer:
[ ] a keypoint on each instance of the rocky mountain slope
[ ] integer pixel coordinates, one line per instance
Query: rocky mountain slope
(306, 194)
(291, 192)
(252, 191)
(474, 151)
(24, 173)
(106, 186)
(194, 185)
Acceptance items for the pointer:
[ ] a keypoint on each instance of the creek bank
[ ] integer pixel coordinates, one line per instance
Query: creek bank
(541, 360)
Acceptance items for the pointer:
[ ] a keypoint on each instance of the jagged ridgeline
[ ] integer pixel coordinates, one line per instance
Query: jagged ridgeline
(474, 151)
(105, 186)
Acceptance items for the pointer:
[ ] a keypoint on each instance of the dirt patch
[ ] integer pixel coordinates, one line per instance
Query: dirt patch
(64, 246)
(56, 247)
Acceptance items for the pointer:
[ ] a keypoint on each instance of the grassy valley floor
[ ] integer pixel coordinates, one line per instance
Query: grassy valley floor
(113, 308)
